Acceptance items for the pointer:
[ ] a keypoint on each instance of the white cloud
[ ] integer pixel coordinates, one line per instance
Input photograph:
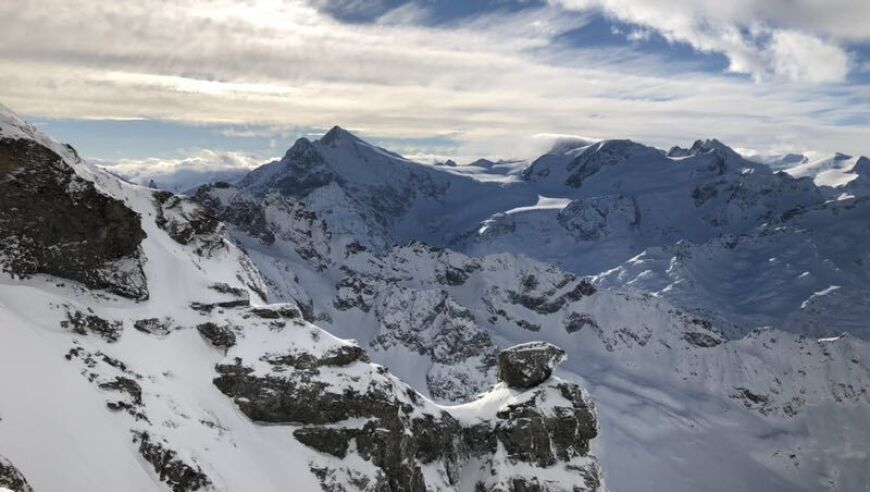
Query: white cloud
(801, 57)
(759, 37)
(638, 35)
(180, 175)
(491, 82)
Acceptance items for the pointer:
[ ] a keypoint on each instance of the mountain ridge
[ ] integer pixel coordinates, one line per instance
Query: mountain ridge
(170, 391)
(436, 316)
(597, 207)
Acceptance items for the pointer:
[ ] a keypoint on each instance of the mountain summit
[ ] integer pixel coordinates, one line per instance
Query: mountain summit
(337, 135)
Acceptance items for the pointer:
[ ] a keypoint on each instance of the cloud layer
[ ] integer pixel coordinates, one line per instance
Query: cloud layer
(489, 82)
(181, 175)
(794, 39)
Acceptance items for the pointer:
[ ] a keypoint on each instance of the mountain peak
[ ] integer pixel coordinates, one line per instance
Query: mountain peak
(13, 126)
(708, 145)
(567, 144)
(338, 134)
(301, 144)
(701, 147)
(862, 166)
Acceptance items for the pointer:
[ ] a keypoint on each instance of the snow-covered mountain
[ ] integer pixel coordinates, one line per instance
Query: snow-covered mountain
(695, 391)
(838, 173)
(614, 209)
(396, 323)
(834, 171)
(138, 354)
(844, 175)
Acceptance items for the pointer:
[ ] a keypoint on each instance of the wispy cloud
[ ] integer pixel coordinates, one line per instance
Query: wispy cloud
(491, 81)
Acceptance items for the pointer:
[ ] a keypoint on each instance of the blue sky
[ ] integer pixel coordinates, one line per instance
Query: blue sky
(155, 84)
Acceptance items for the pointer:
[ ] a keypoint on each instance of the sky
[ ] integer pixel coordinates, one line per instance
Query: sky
(154, 86)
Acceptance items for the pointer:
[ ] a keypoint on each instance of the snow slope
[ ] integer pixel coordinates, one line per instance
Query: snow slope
(833, 172)
(681, 405)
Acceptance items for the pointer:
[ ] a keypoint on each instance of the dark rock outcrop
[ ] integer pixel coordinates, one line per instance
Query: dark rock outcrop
(11, 478)
(296, 393)
(701, 339)
(591, 219)
(178, 475)
(533, 436)
(84, 323)
(276, 312)
(219, 336)
(154, 326)
(577, 321)
(344, 405)
(188, 223)
(306, 170)
(528, 365)
(247, 215)
(549, 301)
(54, 222)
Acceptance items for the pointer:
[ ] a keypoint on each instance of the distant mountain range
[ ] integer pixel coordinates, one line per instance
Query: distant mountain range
(715, 295)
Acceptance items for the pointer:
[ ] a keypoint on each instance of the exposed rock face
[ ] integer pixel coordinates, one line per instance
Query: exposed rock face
(11, 478)
(608, 153)
(188, 223)
(178, 475)
(82, 324)
(528, 365)
(219, 336)
(701, 339)
(345, 405)
(548, 302)
(300, 227)
(532, 435)
(154, 326)
(589, 162)
(245, 214)
(295, 393)
(577, 321)
(306, 170)
(431, 323)
(591, 219)
(54, 222)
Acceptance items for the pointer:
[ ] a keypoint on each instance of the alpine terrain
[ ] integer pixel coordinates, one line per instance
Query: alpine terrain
(608, 316)
(140, 353)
